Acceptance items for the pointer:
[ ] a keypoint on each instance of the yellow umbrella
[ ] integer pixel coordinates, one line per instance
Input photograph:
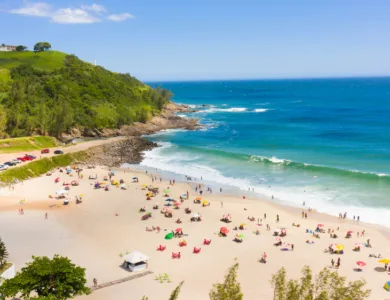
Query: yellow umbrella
(340, 247)
(243, 224)
(205, 202)
(384, 261)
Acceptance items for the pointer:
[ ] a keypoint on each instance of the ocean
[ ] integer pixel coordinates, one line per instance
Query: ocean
(325, 142)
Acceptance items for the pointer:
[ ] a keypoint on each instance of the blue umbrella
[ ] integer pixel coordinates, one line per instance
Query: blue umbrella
(169, 200)
(134, 177)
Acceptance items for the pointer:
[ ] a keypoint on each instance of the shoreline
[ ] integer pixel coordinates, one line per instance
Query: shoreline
(254, 196)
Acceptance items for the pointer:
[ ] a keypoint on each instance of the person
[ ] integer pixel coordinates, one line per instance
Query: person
(357, 234)
(265, 216)
(95, 280)
(358, 219)
(272, 197)
(46, 216)
(292, 247)
(332, 262)
(221, 204)
(305, 215)
(368, 242)
(362, 235)
(277, 218)
(338, 262)
(220, 190)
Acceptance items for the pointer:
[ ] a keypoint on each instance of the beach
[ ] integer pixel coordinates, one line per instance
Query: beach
(94, 233)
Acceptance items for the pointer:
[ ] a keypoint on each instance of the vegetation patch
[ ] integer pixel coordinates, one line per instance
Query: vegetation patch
(27, 144)
(40, 167)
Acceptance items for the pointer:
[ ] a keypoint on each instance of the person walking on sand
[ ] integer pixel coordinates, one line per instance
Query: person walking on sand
(221, 204)
(362, 235)
(338, 262)
(95, 282)
(277, 218)
(305, 215)
(46, 216)
(265, 216)
(332, 262)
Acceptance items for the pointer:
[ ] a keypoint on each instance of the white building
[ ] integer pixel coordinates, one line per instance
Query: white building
(7, 48)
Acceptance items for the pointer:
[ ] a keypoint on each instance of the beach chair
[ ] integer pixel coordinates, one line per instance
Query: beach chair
(206, 242)
(183, 244)
(196, 250)
(176, 255)
(161, 248)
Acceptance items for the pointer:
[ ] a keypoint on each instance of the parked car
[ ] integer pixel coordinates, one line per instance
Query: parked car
(31, 157)
(16, 161)
(3, 167)
(45, 151)
(58, 152)
(25, 158)
(10, 163)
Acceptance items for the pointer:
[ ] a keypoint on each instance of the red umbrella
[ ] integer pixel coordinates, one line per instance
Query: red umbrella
(178, 230)
(361, 263)
(320, 225)
(349, 232)
(224, 230)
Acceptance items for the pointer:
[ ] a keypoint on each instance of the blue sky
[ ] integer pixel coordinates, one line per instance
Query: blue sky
(213, 39)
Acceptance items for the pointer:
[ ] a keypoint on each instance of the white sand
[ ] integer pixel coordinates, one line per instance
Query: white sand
(92, 236)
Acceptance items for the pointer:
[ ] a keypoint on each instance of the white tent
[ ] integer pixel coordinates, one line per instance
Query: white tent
(61, 192)
(136, 261)
(136, 257)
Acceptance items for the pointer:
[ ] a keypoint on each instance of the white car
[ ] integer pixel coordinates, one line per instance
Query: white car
(3, 167)
(16, 161)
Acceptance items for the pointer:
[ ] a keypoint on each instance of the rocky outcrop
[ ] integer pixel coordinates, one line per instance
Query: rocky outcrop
(167, 119)
(129, 150)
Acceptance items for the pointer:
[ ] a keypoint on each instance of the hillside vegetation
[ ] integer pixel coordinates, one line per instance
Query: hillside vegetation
(27, 144)
(51, 92)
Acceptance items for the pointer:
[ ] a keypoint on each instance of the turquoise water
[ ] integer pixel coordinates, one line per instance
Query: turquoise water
(322, 141)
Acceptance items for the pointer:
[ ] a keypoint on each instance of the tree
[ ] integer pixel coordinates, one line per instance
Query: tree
(3, 254)
(175, 293)
(3, 121)
(21, 48)
(56, 278)
(230, 289)
(42, 46)
(326, 286)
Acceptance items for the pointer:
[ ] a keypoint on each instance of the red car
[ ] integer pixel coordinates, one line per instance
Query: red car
(25, 158)
(45, 151)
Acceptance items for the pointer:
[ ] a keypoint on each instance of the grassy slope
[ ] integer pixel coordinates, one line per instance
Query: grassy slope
(48, 60)
(40, 167)
(27, 144)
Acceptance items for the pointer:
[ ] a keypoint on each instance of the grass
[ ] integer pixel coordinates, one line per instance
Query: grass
(5, 267)
(47, 60)
(27, 144)
(41, 166)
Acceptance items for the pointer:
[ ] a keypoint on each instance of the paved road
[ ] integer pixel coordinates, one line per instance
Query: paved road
(4, 157)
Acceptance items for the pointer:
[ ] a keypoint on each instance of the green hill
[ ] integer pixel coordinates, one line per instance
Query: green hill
(52, 92)
(48, 60)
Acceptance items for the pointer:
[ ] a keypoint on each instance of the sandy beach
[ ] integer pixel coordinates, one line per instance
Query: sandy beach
(94, 233)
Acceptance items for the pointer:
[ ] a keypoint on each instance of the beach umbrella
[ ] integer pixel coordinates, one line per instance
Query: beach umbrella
(320, 225)
(134, 178)
(224, 230)
(196, 215)
(149, 213)
(359, 245)
(168, 211)
(205, 202)
(387, 286)
(177, 204)
(184, 195)
(240, 236)
(61, 192)
(178, 230)
(169, 200)
(361, 263)
(198, 198)
(384, 261)
(167, 191)
(339, 247)
(243, 224)
(169, 236)
(349, 232)
(279, 239)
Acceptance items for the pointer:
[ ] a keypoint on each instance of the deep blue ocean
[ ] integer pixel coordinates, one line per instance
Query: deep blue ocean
(322, 141)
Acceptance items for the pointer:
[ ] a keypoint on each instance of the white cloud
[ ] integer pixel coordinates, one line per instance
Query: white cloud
(120, 17)
(39, 9)
(85, 14)
(73, 16)
(95, 8)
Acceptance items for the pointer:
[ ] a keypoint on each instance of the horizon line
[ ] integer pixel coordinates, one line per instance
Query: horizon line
(269, 78)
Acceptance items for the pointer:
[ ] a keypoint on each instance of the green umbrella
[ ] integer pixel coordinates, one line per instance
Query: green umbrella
(169, 236)
(167, 191)
(149, 213)
(240, 236)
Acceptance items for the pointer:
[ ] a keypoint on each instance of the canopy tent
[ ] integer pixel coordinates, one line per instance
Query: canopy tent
(135, 261)
(387, 286)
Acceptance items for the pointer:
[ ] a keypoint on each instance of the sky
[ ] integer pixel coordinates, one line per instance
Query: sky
(158, 40)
